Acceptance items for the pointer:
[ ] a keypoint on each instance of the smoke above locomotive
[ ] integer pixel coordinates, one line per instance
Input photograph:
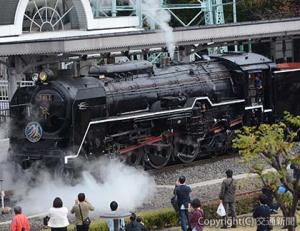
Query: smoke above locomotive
(142, 114)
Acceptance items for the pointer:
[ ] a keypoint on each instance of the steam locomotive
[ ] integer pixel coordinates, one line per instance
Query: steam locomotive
(147, 115)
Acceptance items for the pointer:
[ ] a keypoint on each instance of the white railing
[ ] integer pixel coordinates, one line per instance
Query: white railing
(4, 100)
(4, 105)
(4, 88)
(4, 110)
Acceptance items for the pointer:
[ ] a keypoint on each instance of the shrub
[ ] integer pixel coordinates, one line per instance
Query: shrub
(167, 217)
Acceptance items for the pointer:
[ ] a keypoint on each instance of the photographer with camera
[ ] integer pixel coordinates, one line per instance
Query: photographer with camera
(81, 209)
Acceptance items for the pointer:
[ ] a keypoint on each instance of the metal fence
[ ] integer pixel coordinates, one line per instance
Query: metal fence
(4, 100)
(4, 87)
(3, 90)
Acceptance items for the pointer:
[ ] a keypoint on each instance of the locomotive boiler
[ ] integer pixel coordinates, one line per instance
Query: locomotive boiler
(147, 115)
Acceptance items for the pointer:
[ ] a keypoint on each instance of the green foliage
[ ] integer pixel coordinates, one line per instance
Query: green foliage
(99, 225)
(268, 150)
(159, 219)
(266, 145)
(164, 218)
(247, 10)
(267, 9)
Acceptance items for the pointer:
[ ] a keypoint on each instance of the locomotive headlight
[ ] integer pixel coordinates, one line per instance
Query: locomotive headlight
(35, 77)
(43, 76)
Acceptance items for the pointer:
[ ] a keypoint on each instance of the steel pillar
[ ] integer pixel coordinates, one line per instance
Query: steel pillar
(234, 18)
(214, 14)
(219, 12)
(282, 49)
(249, 45)
(208, 12)
(3, 68)
(114, 8)
(12, 74)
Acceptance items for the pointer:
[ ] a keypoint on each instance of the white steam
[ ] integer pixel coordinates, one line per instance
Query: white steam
(154, 13)
(3, 141)
(103, 182)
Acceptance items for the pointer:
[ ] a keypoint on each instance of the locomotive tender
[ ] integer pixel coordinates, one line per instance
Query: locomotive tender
(146, 115)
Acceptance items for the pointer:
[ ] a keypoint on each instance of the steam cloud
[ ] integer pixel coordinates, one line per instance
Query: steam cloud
(102, 182)
(153, 14)
(3, 142)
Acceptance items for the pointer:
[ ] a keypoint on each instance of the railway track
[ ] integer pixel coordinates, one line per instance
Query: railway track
(205, 160)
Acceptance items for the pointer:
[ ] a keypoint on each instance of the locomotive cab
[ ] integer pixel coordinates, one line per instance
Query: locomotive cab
(252, 74)
(286, 85)
(255, 89)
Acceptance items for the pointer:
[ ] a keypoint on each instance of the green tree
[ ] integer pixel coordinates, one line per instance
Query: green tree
(268, 150)
(267, 9)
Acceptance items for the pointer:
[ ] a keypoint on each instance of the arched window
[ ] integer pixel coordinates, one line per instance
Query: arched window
(50, 15)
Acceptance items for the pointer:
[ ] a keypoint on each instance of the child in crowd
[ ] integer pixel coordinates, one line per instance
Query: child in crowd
(196, 215)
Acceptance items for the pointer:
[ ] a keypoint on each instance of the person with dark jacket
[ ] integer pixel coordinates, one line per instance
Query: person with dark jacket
(296, 171)
(267, 191)
(227, 197)
(81, 210)
(262, 213)
(134, 225)
(182, 192)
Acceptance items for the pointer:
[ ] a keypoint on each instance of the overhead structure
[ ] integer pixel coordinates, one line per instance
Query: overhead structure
(31, 16)
(205, 11)
(89, 41)
(47, 15)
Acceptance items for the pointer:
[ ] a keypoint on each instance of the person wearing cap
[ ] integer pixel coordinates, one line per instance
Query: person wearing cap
(227, 197)
(182, 192)
(20, 221)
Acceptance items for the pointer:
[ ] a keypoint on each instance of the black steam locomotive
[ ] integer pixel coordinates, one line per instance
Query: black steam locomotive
(148, 115)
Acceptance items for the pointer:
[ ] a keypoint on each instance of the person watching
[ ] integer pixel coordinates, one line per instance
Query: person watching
(20, 221)
(81, 210)
(58, 216)
(182, 192)
(115, 224)
(262, 213)
(227, 197)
